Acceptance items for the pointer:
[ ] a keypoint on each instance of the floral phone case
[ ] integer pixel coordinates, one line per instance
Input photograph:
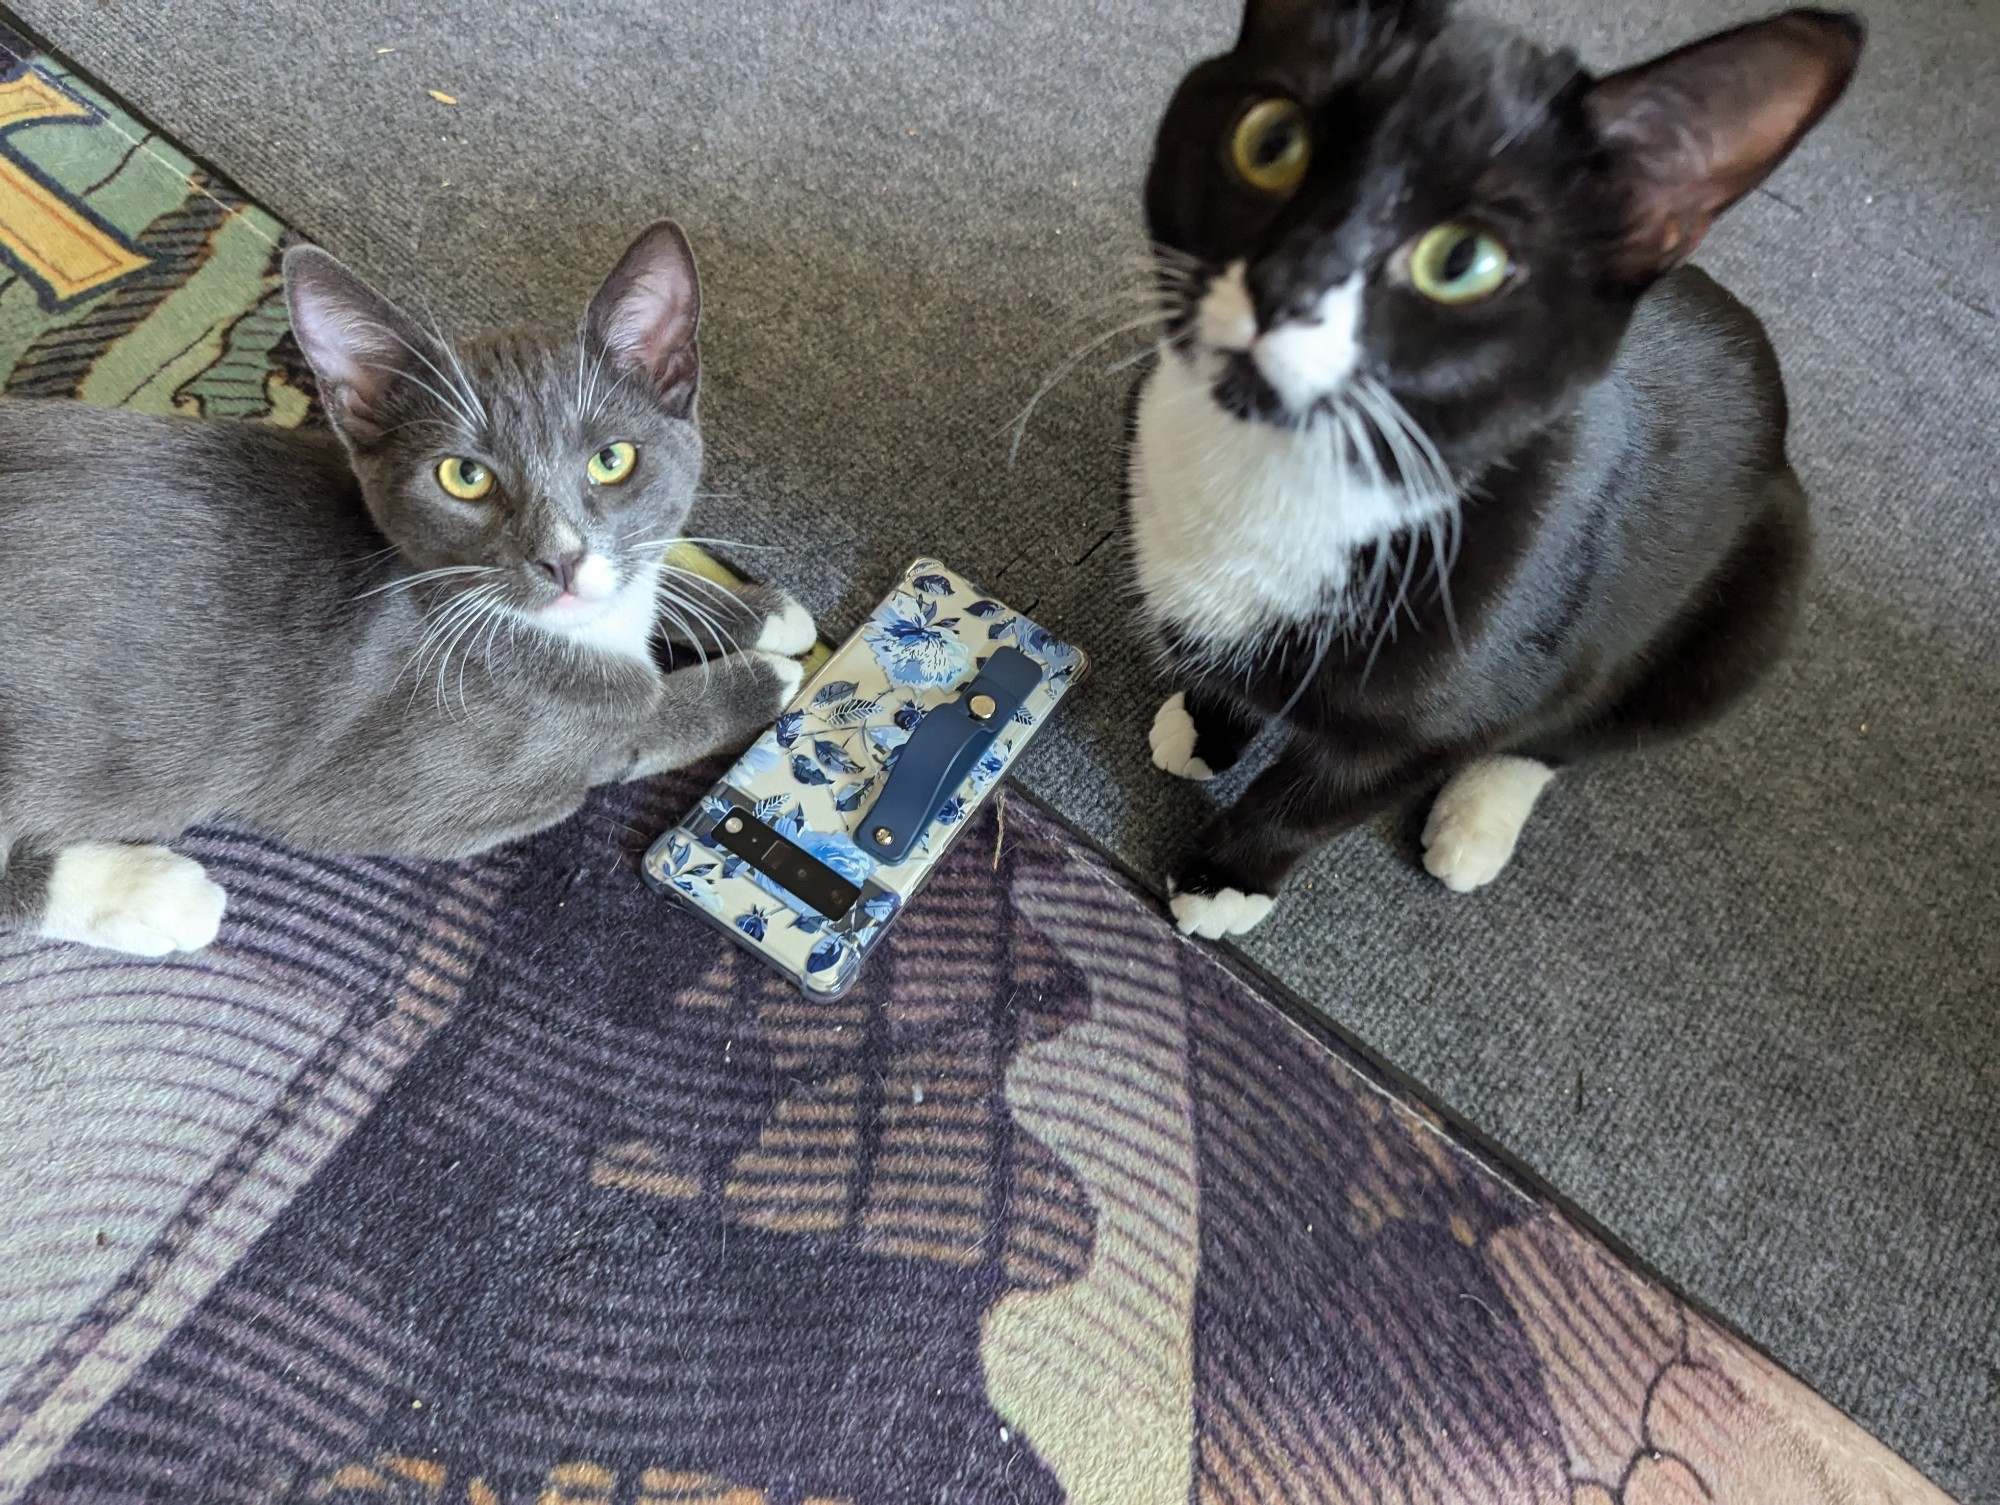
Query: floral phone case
(799, 808)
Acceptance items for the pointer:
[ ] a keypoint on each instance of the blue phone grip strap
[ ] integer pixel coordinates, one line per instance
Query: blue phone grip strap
(947, 744)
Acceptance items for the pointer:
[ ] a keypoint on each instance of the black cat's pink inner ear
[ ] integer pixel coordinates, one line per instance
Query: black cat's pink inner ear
(1699, 128)
(349, 334)
(646, 314)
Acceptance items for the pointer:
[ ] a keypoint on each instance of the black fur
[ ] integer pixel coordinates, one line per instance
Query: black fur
(1632, 538)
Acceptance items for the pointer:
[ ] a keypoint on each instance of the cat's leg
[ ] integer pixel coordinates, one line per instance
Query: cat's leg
(24, 883)
(1719, 653)
(717, 706)
(1699, 672)
(784, 626)
(143, 900)
(702, 619)
(1201, 732)
(1477, 817)
(1231, 874)
(1706, 666)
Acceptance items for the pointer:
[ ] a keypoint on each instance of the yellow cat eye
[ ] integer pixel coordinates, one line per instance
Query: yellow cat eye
(1271, 145)
(465, 479)
(612, 464)
(1458, 263)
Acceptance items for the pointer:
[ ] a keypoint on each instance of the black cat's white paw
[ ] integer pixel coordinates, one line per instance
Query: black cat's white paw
(1213, 916)
(1173, 737)
(1477, 817)
(142, 900)
(788, 630)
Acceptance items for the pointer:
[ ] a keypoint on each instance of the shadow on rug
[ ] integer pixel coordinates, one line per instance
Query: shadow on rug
(510, 1182)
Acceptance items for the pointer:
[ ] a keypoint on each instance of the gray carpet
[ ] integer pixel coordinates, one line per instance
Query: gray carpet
(1738, 999)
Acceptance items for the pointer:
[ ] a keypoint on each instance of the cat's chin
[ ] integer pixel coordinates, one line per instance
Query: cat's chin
(1241, 391)
(569, 610)
(619, 623)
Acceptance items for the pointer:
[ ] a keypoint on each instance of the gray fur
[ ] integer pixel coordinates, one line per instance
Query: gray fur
(213, 621)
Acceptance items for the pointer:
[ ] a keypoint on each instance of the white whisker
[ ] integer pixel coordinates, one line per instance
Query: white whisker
(408, 581)
(1020, 425)
(464, 402)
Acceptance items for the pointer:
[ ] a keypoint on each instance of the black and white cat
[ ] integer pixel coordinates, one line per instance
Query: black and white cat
(1446, 462)
(424, 634)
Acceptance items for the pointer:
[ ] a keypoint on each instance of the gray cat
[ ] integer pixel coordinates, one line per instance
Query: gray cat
(424, 634)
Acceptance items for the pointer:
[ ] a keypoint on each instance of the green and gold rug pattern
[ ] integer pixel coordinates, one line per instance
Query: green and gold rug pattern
(133, 276)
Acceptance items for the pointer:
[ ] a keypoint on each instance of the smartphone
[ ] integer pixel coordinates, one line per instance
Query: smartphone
(828, 825)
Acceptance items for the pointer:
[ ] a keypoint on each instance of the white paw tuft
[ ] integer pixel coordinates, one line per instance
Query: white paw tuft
(147, 901)
(790, 631)
(1212, 916)
(1477, 818)
(1173, 738)
(789, 672)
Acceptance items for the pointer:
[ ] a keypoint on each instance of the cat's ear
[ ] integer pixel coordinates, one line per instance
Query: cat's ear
(644, 317)
(1695, 130)
(360, 345)
(1266, 20)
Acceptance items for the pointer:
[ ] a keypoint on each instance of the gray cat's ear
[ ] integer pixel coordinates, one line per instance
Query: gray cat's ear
(1695, 130)
(360, 345)
(644, 317)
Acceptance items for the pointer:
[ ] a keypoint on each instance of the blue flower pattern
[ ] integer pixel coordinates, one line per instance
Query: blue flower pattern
(915, 646)
(813, 776)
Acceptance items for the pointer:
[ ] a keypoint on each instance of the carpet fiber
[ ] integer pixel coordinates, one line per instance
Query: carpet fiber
(1738, 998)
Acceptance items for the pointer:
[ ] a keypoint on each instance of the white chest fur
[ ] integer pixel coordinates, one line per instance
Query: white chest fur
(1239, 525)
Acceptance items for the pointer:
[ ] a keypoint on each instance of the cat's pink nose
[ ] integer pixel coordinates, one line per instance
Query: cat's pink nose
(562, 569)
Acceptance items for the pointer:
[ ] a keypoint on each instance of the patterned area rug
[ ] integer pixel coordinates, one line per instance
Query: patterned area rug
(508, 1182)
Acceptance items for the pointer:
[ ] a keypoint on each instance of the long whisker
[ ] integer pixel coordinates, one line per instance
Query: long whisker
(438, 629)
(724, 640)
(407, 581)
(448, 403)
(463, 402)
(1020, 425)
(462, 381)
(489, 613)
(469, 623)
(690, 619)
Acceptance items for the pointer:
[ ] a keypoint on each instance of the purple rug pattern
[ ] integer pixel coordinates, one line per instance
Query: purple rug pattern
(510, 1182)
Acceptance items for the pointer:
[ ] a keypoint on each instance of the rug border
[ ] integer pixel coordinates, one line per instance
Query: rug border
(1330, 1034)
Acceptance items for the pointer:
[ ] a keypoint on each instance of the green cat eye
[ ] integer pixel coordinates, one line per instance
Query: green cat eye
(1271, 145)
(1457, 263)
(612, 464)
(465, 479)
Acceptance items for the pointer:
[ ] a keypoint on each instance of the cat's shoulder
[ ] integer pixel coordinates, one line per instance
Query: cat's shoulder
(1688, 315)
(1696, 355)
(53, 435)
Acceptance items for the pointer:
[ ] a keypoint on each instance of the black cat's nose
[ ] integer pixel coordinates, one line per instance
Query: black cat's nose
(562, 569)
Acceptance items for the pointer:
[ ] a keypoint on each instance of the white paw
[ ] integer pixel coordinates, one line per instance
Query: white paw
(790, 631)
(144, 900)
(1477, 818)
(789, 672)
(1212, 916)
(1173, 739)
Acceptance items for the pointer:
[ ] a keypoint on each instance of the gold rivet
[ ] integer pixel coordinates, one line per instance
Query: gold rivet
(981, 706)
(884, 836)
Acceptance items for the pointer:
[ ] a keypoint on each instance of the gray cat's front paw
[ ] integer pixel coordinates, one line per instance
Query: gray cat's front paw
(788, 672)
(788, 629)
